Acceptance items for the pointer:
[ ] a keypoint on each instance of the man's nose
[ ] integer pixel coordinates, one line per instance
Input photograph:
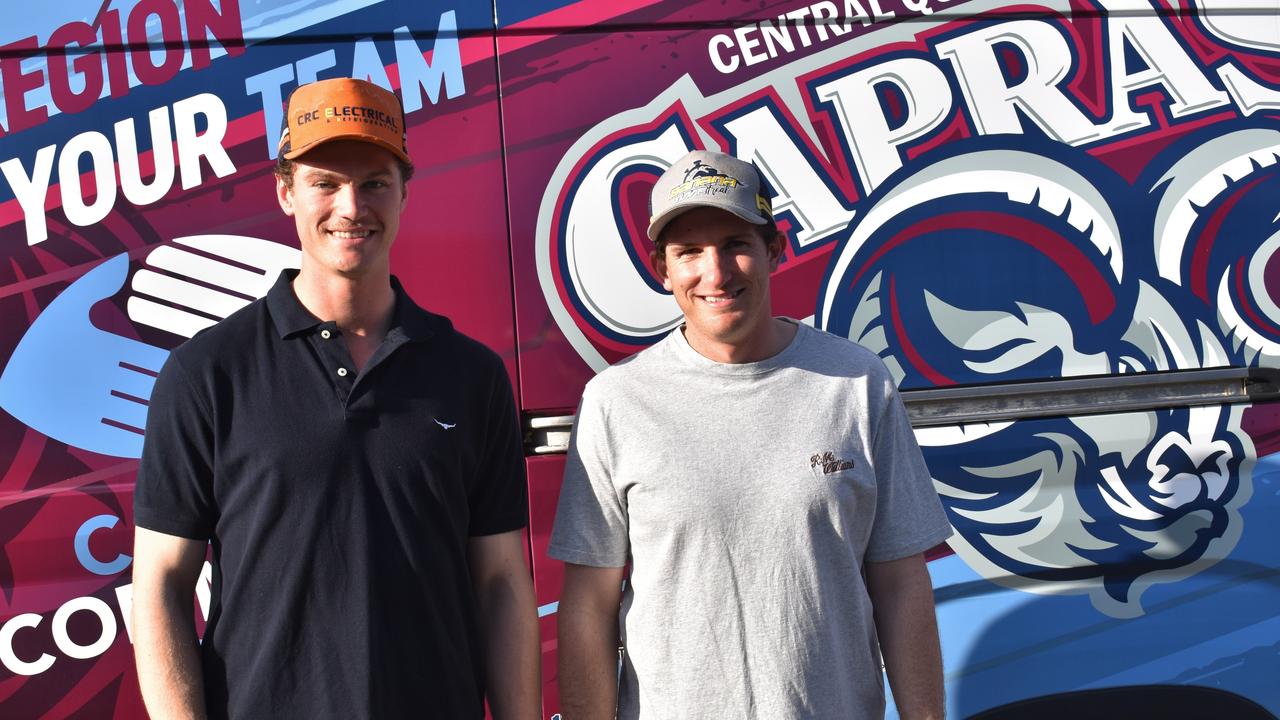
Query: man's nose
(349, 202)
(716, 266)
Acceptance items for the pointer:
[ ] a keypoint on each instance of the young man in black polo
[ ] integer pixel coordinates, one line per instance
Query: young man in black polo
(356, 464)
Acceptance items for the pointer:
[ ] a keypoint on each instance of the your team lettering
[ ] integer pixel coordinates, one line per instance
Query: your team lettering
(417, 75)
(83, 168)
(167, 125)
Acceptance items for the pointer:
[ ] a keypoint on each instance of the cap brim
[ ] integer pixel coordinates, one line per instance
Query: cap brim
(295, 153)
(659, 222)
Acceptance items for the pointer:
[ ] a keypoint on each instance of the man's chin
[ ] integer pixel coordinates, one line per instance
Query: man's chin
(347, 266)
(721, 330)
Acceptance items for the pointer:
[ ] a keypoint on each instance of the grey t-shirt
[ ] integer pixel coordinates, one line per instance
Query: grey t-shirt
(746, 497)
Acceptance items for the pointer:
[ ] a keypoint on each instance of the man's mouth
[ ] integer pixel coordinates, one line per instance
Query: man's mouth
(351, 234)
(723, 297)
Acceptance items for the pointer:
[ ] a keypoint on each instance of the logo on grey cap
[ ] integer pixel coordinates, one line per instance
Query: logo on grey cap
(709, 179)
(702, 178)
(700, 169)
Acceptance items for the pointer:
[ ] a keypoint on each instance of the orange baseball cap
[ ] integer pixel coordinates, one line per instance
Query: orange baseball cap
(342, 109)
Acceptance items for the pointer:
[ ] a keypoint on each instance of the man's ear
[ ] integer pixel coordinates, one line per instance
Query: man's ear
(775, 248)
(284, 194)
(658, 261)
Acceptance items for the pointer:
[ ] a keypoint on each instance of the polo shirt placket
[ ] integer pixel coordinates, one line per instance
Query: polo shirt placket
(327, 341)
(355, 392)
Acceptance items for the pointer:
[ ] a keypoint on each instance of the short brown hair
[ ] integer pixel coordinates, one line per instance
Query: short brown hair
(766, 233)
(284, 170)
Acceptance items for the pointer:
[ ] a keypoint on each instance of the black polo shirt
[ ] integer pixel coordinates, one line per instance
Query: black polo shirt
(339, 506)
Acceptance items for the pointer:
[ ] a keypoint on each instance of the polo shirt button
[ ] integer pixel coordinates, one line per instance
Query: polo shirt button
(342, 372)
(325, 334)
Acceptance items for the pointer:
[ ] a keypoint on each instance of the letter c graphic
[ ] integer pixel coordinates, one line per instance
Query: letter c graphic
(86, 558)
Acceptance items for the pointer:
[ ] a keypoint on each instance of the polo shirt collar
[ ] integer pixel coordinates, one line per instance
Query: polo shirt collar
(291, 317)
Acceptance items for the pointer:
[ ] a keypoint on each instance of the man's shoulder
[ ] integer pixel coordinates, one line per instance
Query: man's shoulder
(213, 356)
(226, 339)
(438, 338)
(841, 346)
(639, 370)
(841, 356)
(464, 350)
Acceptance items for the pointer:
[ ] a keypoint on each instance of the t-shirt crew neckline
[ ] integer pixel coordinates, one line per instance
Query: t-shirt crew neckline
(692, 357)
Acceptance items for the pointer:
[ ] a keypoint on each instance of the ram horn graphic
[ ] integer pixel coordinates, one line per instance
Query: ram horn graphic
(1217, 234)
(1037, 284)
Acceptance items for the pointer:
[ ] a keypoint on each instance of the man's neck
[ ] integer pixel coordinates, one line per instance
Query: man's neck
(360, 307)
(762, 345)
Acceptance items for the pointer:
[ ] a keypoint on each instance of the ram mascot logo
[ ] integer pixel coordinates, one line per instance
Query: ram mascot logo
(998, 264)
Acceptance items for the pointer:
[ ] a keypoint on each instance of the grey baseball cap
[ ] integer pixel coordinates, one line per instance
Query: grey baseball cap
(708, 179)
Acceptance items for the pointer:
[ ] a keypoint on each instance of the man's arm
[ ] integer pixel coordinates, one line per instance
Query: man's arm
(902, 598)
(165, 569)
(588, 633)
(508, 617)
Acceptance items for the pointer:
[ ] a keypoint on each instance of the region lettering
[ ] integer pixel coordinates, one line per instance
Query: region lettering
(84, 59)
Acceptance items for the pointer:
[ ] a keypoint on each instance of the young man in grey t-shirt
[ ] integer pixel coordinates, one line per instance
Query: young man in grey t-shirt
(762, 481)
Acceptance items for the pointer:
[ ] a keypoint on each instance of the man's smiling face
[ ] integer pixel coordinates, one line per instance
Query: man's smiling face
(717, 266)
(345, 199)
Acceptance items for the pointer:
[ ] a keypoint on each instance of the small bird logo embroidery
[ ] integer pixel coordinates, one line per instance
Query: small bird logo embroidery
(446, 426)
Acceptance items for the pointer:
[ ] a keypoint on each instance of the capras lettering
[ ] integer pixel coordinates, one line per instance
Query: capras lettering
(817, 180)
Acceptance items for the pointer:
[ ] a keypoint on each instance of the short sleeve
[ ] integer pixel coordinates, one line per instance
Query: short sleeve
(174, 491)
(591, 519)
(499, 493)
(909, 516)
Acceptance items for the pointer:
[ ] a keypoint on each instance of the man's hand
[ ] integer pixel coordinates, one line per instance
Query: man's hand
(165, 569)
(508, 618)
(902, 597)
(588, 631)
(67, 379)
